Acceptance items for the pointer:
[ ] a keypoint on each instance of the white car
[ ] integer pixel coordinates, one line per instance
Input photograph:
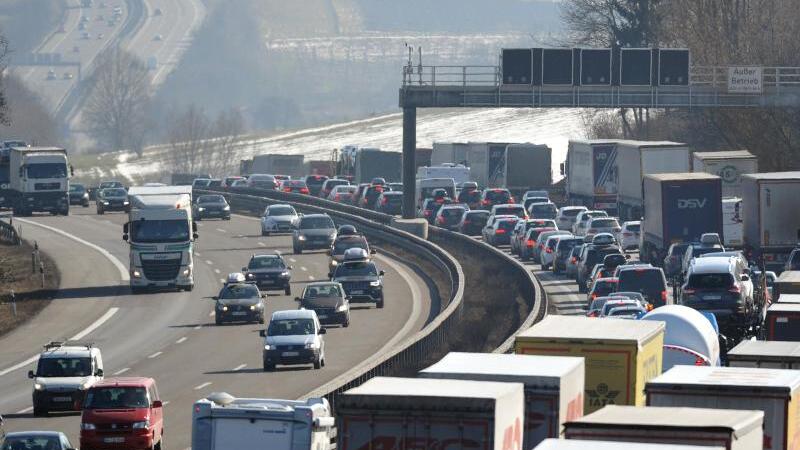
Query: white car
(597, 225)
(566, 216)
(293, 337)
(582, 220)
(548, 255)
(63, 374)
(278, 218)
(628, 235)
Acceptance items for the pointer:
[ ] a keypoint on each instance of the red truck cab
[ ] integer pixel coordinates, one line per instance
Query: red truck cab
(122, 413)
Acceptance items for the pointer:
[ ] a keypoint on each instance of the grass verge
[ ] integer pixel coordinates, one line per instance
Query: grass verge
(31, 296)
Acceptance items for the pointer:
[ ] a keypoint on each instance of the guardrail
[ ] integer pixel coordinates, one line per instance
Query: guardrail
(428, 343)
(8, 234)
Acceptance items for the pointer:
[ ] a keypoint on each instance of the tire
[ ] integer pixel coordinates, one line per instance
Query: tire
(39, 412)
(189, 288)
(217, 321)
(100, 212)
(65, 212)
(261, 319)
(379, 303)
(346, 322)
(264, 233)
(288, 290)
(269, 367)
(198, 218)
(160, 444)
(318, 364)
(298, 251)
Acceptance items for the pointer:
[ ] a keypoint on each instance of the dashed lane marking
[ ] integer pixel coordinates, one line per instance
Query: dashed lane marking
(206, 384)
(121, 371)
(239, 367)
(155, 355)
(181, 340)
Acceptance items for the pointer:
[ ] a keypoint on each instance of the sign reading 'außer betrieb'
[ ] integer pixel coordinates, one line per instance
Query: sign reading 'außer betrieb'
(745, 80)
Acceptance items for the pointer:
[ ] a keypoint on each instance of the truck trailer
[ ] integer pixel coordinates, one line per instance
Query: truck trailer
(591, 178)
(404, 413)
(765, 355)
(728, 165)
(161, 235)
(770, 222)
(38, 180)
(678, 207)
(361, 165)
(223, 422)
(291, 165)
(634, 160)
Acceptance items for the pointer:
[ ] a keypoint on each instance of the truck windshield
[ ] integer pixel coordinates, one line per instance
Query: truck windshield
(290, 327)
(116, 397)
(64, 367)
(4, 173)
(160, 231)
(47, 170)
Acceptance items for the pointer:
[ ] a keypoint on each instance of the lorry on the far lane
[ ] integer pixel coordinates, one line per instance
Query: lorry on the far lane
(291, 165)
(39, 180)
(161, 234)
(728, 165)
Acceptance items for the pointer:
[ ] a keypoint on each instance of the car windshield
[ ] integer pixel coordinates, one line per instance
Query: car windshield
(116, 192)
(498, 196)
(507, 225)
(341, 245)
(76, 188)
(300, 184)
(291, 327)
(116, 397)
(604, 223)
(239, 292)
(64, 367)
(697, 251)
(315, 223)
(328, 290)
(144, 231)
(634, 227)
(356, 269)
(31, 443)
(281, 211)
(630, 311)
(200, 183)
(543, 208)
(393, 198)
(710, 281)
(113, 184)
(211, 199)
(518, 211)
(266, 263)
(604, 287)
(641, 280)
(47, 170)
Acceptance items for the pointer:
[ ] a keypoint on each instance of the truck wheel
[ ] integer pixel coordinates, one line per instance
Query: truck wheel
(65, 212)
(318, 363)
(379, 304)
(268, 367)
(189, 288)
(346, 322)
(100, 211)
(39, 412)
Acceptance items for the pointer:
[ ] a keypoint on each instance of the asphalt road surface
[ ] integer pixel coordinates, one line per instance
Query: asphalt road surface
(172, 336)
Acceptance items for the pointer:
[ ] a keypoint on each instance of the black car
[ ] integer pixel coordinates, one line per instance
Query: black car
(239, 302)
(269, 273)
(212, 206)
(495, 196)
(78, 195)
(371, 195)
(361, 279)
(390, 203)
(328, 300)
(314, 183)
(471, 197)
(472, 222)
(646, 279)
(112, 199)
(593, 254)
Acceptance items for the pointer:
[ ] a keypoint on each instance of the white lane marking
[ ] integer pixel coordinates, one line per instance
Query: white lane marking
(222, 280)
(165, 403)
(25, 411)
(252, 219)
(197, 254)
(262, 244)
(239, 367)
(221, 230)
(121, 371)
(123, 271)
(207, 383)
(292, 260)
(198, 327)
(217, 271)
(78, 336)
(211, 314)
(155, 355)
(304, 269)
(181, 340)
(209, 262)
(311, 277)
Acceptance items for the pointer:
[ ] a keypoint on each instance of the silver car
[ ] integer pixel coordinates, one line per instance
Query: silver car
(313, 232)
(597, 225)
(566, 216)
(278, 218)
(582, 220)
(572, 261)
(293, 337)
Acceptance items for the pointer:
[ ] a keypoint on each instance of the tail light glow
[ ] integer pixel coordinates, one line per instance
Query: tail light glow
(500, 231)
(664, 295)
(530, 243)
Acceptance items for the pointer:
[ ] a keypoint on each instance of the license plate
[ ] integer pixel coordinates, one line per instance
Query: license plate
(357, 291)
(267, 281)
(240, 313)
(323, 316)
(62, 399)
(114, 440)
(712, 297)
(290, 354)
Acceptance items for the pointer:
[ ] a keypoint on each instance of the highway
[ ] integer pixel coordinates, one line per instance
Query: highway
(172, 336)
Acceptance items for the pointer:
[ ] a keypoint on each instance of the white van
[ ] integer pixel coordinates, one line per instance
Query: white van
(426, 186)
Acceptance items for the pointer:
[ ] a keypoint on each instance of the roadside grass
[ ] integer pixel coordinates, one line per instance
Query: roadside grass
(30, 296)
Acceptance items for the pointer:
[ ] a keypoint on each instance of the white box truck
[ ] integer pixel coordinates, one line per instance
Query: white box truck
(775, 392)
(161, 235)
(223, 422)
(591, 177)
(38, 180)
(729, 429)
(770, 219)
(766, 355)
(459, 173)
(634, 160)
(553, 385)
(567, 444)
(728, 165)
(291, 165)
(405, 413)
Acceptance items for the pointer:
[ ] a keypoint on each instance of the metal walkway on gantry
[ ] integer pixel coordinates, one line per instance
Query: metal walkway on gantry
(482, 87)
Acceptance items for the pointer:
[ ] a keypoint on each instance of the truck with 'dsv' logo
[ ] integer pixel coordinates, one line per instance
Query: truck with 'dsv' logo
(678, 207)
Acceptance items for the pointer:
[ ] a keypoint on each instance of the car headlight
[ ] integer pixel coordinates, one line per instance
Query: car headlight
(86, 385)
(187, 271)
(227, 208)
(332, 235)
(224, 308)
(38, 386)
(105, 202)
(301, 237)
(250, 275)
(341, 308)
(85, 195)
(88, 426)
(141, 425)
(312, 345)
(375, 283)
(136, 274)
(285, 274)
(201, 209)
(334, 263)
(267, 347)
(252, 307)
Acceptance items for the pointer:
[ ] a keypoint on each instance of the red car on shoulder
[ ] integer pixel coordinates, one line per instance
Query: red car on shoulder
(122, 413)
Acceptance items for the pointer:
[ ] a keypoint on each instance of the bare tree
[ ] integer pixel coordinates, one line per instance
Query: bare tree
(227, 131)
(28, 118)
(188, 139)
(116, 111)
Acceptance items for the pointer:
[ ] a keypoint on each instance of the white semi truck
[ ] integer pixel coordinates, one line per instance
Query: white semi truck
(161, 234)
(38, 180)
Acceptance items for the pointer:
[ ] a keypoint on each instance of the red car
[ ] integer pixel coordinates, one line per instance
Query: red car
(122, 413)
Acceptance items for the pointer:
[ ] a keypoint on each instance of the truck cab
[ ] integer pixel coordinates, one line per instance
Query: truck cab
(38, 180)
(161, 234)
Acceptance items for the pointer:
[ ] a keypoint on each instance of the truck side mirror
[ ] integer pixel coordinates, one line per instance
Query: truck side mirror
(31, 374)
(157, 404)
(98, 373)
(125, 227)
(195, 236)
(71, 171)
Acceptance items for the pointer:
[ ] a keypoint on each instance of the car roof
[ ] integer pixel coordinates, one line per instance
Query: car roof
(17, 434)
(124, 382)
(294, 314)
(67, 351)
(715, 264)
(322, 283)
(280, 205)
(262, 256)
(314, 216)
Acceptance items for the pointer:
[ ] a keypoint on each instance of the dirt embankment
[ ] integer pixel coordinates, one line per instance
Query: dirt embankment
(31, 293)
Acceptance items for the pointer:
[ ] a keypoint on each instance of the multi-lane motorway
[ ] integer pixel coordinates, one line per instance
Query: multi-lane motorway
(172, 336)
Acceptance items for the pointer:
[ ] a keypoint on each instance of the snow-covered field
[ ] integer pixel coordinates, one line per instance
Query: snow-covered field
(553, 127)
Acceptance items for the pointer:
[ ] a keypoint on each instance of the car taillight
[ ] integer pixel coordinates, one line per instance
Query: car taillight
(594, 296)
(467, 222)
(440, 220)
(626, 234)
(511, 200)
(549, 250)
(384, 201)
(500, 231)
(287, 189)
(485, 202)
(735, 290)
(337, 197)
(530, 243)
(427, 213)
(592, 314)
(649, 307)
(573, 260)
(699, 361)
(304, 191)
(664, 296)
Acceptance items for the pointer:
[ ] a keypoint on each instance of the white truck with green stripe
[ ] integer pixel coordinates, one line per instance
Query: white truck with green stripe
(161, 234)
